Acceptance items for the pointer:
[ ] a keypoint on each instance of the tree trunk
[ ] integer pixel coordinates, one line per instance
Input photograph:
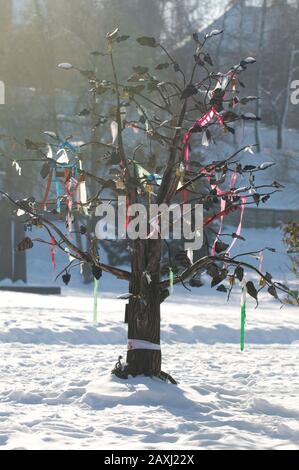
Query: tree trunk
(144, 309)
(259, 75)
(286, 100)
(20, 266)
(280, 130)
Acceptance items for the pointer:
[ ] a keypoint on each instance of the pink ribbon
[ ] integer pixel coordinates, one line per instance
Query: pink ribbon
(233, 181)
(68, 185)
(200, 123)
(239, 230)
(261, 261)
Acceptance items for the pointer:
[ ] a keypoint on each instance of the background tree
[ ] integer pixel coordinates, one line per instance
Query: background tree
(262, 35)
(283, 60)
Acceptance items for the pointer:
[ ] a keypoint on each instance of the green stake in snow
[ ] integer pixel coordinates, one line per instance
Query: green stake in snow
(95, 300)
(243, 315)
(171, 281)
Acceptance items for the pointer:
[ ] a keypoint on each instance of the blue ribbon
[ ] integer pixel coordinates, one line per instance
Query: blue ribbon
(154, 178)
(76, 176)
(63, 166)
(67, 145)
(57, 192)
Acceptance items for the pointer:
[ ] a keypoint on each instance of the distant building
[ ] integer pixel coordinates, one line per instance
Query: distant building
(12, 264)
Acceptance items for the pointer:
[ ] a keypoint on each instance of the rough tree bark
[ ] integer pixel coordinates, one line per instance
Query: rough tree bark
(144, 308)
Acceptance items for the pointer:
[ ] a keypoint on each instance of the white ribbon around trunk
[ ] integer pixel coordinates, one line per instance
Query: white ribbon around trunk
(244, 293)
(139, 344)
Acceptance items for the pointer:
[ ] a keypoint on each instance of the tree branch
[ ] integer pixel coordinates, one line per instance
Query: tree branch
(83, 256)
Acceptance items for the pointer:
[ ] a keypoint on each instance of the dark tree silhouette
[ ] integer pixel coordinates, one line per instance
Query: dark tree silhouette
(171, 110)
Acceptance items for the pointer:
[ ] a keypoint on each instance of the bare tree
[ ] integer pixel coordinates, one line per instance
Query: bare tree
(277, 86)
(260, 72)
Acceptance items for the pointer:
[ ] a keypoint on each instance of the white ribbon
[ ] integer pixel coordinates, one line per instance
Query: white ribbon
(83, 192)
(139, 344)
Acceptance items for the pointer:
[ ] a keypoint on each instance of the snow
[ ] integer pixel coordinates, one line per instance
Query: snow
(57, 391)
(56, 388)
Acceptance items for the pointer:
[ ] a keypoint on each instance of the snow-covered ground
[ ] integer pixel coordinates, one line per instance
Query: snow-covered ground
(56, 390)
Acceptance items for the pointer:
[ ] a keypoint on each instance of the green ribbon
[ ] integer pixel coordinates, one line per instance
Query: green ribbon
(95, 300)
(243, 317)
(57, 192)
(171, 281)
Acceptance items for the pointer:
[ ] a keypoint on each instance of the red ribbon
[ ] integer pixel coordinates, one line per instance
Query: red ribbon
(127, 212)
(224, 213)
(52, 252)
(69, 200)
(200, 123)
